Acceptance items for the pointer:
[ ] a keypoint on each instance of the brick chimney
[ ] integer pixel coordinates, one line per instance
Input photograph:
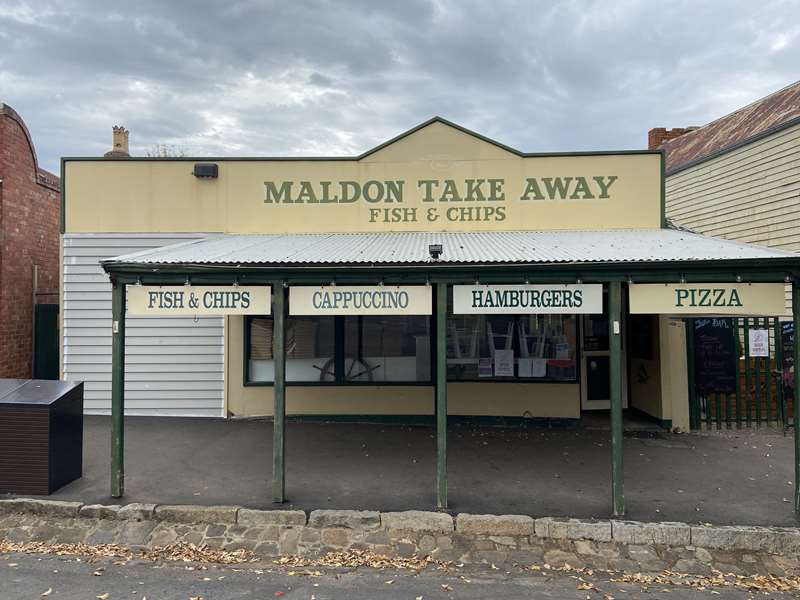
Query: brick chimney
(119, 148)
(659, 135)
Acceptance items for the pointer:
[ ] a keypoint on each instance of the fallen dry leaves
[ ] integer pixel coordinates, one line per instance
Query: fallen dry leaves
(178, 552)
(351, 559)
(768, 584)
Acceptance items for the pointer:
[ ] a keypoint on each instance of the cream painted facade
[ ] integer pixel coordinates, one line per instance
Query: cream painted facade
(124, 202)
(159, 196)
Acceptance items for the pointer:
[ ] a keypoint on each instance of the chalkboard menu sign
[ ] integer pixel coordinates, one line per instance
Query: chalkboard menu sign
(714, 356)
(787, 341)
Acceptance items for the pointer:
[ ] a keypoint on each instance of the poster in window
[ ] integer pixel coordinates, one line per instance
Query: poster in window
(758, 339)
(503, 363)
(715, 356)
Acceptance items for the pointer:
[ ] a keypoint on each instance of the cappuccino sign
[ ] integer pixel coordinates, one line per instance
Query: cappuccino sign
(360, 300)
(199, 300)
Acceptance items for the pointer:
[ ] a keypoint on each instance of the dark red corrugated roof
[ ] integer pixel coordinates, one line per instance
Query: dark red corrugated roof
(731, 130)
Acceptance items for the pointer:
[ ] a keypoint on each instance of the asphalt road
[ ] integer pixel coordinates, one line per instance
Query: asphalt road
(51, 577)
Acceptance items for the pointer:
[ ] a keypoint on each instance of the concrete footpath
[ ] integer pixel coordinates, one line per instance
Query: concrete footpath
(727, 477)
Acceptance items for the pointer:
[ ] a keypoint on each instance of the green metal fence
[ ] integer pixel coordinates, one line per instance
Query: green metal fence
(743, 390)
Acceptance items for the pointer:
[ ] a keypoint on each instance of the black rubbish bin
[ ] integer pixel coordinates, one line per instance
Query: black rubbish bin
(41, 435)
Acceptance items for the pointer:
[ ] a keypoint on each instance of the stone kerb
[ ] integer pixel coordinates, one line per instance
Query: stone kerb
(573, 529)
(660, 534)
(505, 525)
(465, 538)
(348, 519)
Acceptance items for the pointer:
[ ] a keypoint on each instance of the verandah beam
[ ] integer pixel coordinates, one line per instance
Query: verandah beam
(441, 396)
(615, 376)
(117, 389)
(279, 391)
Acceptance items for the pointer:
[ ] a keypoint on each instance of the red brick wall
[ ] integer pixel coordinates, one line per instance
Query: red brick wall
(29, 235)
(659, 135)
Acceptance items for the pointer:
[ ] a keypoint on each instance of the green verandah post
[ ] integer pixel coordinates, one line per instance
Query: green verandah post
(279, 391)
(117, 388)
(779, 374)
(615, 356)
(441, 396)
(796, 404)
(695, 415)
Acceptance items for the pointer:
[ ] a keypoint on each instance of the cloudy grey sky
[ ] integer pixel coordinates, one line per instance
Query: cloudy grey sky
(262, 77)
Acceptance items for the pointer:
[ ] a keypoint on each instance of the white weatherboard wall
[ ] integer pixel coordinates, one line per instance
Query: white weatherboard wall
(749, 194)
(173, 365)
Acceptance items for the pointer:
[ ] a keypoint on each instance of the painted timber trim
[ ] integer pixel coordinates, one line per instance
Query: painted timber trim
(750, 270)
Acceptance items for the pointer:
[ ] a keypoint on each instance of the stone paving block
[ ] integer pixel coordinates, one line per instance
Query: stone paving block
(503, 525)
(573, 529)
(257, 518)
(12, 505)
(288, 541)
(188, 513)
(135, 533)
(417, 521)
(774, 540)
(336, 537)
(667, 534)
(50, 508)
(99, 511)
(136, 511)
(351, 519)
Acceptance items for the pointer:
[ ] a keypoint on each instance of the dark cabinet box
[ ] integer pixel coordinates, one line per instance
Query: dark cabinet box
(41, 435)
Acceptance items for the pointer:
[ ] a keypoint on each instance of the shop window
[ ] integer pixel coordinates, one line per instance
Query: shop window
(512, 348)
(387, 349)
(309, 349)
(343, 350)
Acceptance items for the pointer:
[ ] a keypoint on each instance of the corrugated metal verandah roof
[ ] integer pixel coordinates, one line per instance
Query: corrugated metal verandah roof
(384, 248)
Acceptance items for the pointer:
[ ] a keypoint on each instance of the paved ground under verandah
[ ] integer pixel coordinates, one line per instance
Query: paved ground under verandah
(726, 477)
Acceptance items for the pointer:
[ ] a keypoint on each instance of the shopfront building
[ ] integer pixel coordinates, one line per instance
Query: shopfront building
(438, 275)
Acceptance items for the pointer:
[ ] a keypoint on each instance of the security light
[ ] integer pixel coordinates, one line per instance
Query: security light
(435, 250)
(206, 171)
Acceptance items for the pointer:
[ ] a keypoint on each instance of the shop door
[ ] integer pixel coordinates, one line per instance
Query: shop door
(596, 362)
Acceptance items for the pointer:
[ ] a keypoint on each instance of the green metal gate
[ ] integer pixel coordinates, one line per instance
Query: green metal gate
(45, 341)
(759, 391)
